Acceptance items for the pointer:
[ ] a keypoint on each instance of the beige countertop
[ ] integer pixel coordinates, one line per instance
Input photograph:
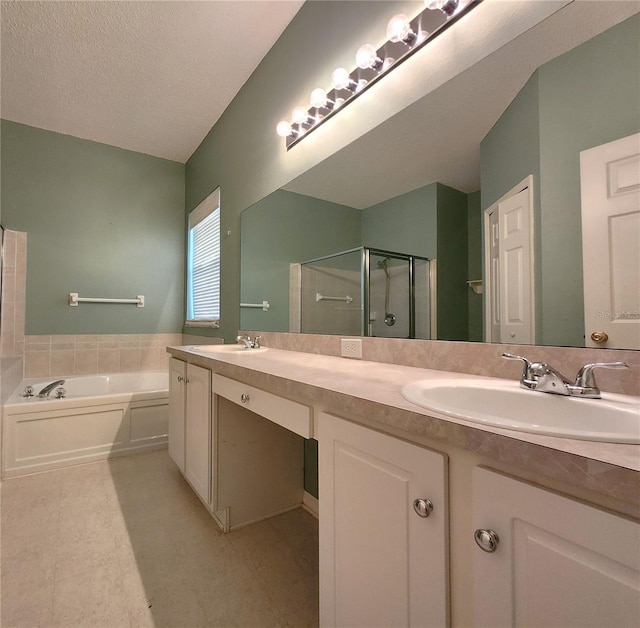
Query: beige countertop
(369, 392)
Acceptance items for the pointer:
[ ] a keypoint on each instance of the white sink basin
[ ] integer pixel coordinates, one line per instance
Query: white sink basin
(234, 349)
(502, 403)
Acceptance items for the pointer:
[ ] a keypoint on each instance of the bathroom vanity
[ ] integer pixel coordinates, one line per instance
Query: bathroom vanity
(423, 519)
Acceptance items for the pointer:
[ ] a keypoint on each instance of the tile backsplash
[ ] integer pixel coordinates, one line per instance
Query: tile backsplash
(87, 354)
(476, 358)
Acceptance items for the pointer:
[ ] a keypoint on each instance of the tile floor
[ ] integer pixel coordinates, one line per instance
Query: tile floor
(125, 542)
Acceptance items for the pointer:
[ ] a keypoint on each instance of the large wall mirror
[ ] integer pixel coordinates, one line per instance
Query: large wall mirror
(425, 183)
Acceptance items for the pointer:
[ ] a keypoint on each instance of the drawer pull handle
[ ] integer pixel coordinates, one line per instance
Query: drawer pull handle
(244, 397)
(487, 540)
(423, 507)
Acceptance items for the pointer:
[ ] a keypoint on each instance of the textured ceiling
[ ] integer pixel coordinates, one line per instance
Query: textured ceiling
(152, 77)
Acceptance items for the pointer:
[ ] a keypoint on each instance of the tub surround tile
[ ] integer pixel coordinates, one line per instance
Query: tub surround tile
(63, 362)
(108, 360)
(85, 362)
(37, 364)
(129, 360)
(14, 283)
(150, 358)
(87, 354)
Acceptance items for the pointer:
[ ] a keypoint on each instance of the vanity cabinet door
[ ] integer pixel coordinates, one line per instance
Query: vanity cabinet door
(198, 431)
(558, 562)
(381, 563)
(177, 400)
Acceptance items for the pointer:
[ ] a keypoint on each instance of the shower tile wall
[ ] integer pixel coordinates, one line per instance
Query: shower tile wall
(331, 317)
(86, 354)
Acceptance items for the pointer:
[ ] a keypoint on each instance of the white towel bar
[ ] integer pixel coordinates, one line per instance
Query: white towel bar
(264, 305)
(74, 299)
(321, 297)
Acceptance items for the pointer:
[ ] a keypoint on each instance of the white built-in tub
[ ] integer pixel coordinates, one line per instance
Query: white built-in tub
(101, 416)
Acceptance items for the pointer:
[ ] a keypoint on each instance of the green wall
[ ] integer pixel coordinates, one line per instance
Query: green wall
(404, 224)
(584, 98)
(102, 222)
(282, 228)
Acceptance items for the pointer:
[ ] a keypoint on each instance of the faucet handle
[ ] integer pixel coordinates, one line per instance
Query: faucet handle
(256, 342)
(526, 369)
(586, 378)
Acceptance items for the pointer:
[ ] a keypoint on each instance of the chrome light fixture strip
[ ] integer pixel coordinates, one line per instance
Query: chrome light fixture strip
(427, 25)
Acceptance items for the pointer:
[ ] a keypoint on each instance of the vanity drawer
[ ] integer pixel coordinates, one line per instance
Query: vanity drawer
(289, 414)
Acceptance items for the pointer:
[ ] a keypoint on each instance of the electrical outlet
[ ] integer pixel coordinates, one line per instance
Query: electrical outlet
(351, 348)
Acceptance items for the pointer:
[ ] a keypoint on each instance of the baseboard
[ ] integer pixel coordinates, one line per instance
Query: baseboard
(310, 504)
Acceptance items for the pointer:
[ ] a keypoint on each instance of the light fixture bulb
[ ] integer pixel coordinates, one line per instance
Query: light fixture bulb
(284, 129)
(340, 79)
(448, 7)
(318, 98)
(399, 29)
(367, 57)
(299, 115)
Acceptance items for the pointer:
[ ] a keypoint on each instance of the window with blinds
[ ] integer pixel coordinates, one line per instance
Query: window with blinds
(203, 263)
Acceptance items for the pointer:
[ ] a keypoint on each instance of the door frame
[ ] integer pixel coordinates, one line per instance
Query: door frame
(525, 184)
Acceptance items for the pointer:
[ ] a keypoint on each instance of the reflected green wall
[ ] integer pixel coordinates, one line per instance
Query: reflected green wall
(588, 97)
(474, 263)
(584, 98)
(285, 227)
(102, 222)
(282, 228)
(404, 224)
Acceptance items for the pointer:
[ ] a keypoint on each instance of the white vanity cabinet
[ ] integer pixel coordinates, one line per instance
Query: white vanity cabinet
(381, 563)
(557, 562)
(177, 410)
(190, 424)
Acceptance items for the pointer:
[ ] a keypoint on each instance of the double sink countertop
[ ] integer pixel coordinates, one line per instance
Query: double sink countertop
(370, 393)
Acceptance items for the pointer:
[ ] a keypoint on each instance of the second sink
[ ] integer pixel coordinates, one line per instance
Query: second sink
(502, 403)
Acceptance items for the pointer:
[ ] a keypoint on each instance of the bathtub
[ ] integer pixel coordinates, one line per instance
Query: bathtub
(101, 416)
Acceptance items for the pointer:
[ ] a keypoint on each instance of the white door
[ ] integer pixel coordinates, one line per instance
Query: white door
(198, 439)
(177, 374)
(558, 562)
(381, 564)
(509, 304)
(610, 187)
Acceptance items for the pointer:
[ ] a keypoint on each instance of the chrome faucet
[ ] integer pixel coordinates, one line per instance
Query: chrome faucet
(49, 387)
(541, 377)
(248, 343)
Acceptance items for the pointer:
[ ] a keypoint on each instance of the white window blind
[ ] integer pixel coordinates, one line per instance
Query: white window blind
(203, 264)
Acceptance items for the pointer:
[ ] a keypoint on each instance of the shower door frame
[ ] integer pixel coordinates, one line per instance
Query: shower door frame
(365, 274)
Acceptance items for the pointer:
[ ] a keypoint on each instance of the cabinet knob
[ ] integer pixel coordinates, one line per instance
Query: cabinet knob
(600, 337)
(180, 378)
(423, 507)
(244, 397)
(487, 540)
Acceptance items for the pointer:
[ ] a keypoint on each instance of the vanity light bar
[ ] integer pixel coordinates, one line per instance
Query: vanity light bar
(404, 37)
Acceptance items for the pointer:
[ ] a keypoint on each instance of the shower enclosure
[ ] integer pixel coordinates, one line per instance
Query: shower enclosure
(367, 292)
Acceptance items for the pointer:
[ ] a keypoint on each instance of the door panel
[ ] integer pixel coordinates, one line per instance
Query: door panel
(610, 187)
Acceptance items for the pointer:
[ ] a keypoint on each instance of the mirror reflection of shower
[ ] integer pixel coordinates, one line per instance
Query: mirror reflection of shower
(366, 292)
(389, 318)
